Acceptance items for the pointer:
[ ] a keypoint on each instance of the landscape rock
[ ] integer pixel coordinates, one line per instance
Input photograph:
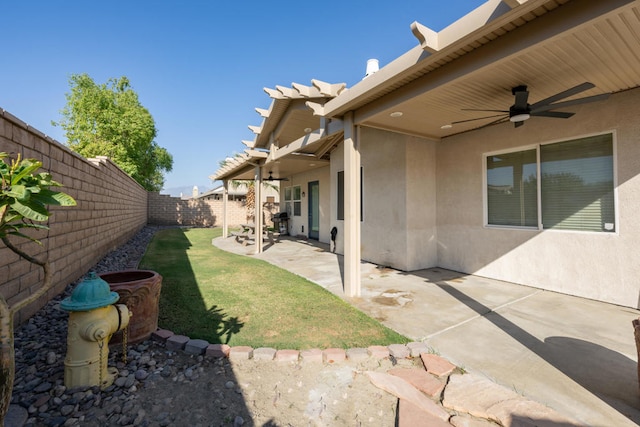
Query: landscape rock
(403, 390)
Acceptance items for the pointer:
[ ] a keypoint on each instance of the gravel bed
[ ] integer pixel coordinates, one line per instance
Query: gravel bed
(159, 387)
(40, 397)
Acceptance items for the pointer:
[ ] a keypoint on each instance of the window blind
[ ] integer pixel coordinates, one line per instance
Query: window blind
(577, 184)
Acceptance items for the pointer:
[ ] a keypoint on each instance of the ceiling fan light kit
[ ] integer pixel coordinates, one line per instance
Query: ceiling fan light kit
(520, 117)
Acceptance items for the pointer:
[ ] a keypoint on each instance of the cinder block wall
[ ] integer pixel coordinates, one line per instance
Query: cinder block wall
(111, 209)
(167, 210)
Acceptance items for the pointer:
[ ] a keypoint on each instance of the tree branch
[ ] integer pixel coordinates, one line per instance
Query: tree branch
(22, 254)
(47, 277)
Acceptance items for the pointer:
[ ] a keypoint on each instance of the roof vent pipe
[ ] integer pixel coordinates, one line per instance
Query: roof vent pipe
(372, 67)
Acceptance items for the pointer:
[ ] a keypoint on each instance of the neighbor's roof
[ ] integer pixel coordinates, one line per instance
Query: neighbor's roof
(232, 191)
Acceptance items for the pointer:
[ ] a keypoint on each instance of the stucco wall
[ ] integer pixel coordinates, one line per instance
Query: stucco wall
(297, 223)
(111, 208)
(422, 248)
(399, 226)
(602, 266)
(383, 230)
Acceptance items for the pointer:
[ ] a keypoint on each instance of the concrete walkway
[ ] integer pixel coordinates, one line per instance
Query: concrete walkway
(574, 355)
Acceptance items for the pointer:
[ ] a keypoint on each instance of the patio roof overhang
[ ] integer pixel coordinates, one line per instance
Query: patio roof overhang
(245, 167)
(292, 137)
(547, 45)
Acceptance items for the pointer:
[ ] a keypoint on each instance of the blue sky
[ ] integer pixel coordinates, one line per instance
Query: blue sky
(199, 67)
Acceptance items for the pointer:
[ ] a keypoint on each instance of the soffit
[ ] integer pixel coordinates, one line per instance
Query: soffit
(548, 45)
(553, 52)
(282, 168)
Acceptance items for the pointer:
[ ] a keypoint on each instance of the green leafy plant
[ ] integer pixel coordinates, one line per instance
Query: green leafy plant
(109, 120)
(250, 198)
(24, 197)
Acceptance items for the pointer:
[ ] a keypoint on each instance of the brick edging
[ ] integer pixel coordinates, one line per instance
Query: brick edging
(329, 355)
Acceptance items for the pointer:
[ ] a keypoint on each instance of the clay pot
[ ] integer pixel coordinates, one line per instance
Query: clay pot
(139, 290)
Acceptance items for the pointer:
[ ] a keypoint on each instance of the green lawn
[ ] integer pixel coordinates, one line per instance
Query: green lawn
(237, 300)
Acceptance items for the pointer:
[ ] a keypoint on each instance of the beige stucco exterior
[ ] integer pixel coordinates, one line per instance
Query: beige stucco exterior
(602, 266)
(399, 222)
(421, 127)
(299, 225)
(423, 206)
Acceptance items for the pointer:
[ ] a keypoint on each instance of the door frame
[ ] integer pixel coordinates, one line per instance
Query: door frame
(313, 234)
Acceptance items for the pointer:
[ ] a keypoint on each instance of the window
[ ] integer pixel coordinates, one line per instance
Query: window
(292, 202)
(297, 204)
(340, 193)
(570, 187)
(577, 184)
(288, 205)
(512, 189)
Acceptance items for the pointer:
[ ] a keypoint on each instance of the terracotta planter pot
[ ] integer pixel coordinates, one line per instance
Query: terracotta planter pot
(139, 290)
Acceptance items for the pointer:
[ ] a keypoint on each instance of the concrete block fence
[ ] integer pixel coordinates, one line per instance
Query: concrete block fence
(111, 209)
(167, 210)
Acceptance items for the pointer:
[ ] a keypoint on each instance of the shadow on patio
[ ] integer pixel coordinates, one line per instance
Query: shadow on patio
(575, 355)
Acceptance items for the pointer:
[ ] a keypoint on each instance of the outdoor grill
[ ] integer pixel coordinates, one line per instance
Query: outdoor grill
(281, 222)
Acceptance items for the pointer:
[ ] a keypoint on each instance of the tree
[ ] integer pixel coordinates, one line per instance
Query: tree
(108, 120)
(24, 197)
(250, 197)
(250, 202)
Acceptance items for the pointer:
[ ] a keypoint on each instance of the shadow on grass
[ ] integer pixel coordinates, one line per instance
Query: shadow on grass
(227, 326)
(182, 307)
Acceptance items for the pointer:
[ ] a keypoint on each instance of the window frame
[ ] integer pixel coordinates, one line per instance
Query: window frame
(290, 200)
(537, 146)
(485, 184)
(340, 192)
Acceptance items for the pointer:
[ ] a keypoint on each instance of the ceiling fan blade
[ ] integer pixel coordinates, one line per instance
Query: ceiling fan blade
(478, 118)
(495, 122)
(488, 111)
(270, 178)
(554, 114)
(564, 94)
(585, 100)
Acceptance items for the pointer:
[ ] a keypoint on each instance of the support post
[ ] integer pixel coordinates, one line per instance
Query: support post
(258, 208)
(225, 196)
(351, 208)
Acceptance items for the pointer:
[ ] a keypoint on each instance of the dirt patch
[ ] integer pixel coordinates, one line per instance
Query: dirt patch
(393, 297)
(385, 300)
(193, 390)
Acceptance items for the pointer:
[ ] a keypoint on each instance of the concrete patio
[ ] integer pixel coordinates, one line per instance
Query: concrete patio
(574, 355)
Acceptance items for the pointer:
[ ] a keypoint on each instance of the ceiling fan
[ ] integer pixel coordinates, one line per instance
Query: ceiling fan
(271, 178)
(521, 110)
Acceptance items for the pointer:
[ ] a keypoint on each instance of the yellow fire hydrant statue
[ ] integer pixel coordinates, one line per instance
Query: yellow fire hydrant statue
(92, 320)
